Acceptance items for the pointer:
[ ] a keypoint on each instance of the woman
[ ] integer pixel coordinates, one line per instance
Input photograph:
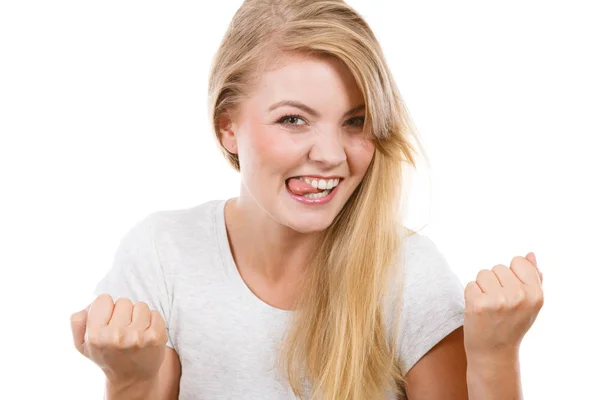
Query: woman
(304, 286)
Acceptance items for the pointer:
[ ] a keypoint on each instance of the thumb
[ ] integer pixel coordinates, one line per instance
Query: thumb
(531, 257)
(78, 328)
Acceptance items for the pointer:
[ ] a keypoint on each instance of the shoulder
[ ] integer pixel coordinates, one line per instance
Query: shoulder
(428, 276)
(430, 296)
(192, 216)
(425, 263)
(163, 236)
(171, 226)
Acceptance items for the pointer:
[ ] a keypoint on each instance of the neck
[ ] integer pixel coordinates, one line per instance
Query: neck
(274, 251)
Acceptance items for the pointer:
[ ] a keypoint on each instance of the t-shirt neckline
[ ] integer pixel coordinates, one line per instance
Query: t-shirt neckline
(230, 267)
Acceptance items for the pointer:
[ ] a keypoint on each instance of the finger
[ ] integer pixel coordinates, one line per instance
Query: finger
(531, 257)
(506, 277)
(157, 332)
(141, 316)
(472, 290)
(78, 328)
(121, 315)
(488, 282)
(524, 270)
(100, 311)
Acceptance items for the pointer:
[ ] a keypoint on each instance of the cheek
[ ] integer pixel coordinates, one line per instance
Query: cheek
(269, 157)
(360, 153)
(266, 145)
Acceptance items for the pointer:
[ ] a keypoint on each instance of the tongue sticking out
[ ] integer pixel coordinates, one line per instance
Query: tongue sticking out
(299, 187)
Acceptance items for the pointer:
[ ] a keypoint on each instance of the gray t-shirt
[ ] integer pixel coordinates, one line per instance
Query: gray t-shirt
(179, 262)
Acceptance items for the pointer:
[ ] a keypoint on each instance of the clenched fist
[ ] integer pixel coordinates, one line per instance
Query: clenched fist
(126, 341)
(501, 306)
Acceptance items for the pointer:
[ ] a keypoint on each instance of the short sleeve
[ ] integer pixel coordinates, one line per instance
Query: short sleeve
(433, 302)
(136, 272)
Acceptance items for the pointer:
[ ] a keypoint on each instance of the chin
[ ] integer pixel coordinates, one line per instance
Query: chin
(310, 225)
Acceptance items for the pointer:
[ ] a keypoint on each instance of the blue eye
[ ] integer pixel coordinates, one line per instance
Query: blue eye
(290, 119)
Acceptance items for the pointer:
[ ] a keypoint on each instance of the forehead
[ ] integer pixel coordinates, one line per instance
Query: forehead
(318, 81)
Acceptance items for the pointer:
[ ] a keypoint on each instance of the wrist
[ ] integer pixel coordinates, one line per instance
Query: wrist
(498, 356)
(131, 389)
(494, 376)
(485, 364)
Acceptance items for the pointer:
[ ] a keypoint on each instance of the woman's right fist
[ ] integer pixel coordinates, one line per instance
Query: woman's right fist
(127, 341)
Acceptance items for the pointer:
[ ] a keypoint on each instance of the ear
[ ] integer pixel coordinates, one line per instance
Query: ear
(227, 130)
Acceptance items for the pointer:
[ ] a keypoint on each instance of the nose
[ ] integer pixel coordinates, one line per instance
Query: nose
(328, 148)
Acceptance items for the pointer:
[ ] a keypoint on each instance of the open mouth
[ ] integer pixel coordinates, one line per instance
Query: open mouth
(312, 188)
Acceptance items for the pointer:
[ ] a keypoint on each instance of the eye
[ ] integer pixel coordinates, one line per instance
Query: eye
(356, 122)
(291, 120)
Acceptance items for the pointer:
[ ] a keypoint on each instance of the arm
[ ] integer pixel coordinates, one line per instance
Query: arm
(497, 378)
(500, 308)
(441, 374)
(165, 387)
(446, 372)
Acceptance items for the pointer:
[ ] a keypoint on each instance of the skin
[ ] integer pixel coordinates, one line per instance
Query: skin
(128, 342)
(480, 360)
(272, 234)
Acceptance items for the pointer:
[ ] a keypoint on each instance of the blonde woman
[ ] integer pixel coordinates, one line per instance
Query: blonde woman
(307, 285)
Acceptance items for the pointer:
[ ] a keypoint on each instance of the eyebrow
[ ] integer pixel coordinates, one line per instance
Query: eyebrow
(309, 110)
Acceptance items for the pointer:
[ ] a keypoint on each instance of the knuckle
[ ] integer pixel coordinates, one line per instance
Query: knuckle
(156, 338)
(518, 298)
(136, 340)
(117, 336)
(538, 301)
(500, 304)
(94, 339)
(152, 337)
(479, 307)
(504, 302)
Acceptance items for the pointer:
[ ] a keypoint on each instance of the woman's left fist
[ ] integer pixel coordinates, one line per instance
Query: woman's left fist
(501, 306)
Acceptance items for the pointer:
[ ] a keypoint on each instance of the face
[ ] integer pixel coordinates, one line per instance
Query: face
(304, 119)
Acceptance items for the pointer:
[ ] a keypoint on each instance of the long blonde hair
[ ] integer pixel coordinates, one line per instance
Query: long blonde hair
(339, 343)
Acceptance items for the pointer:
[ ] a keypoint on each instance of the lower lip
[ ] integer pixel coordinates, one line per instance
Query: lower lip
(321, 200)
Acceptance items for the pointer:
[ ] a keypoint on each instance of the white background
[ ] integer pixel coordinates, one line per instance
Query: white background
(103, 120)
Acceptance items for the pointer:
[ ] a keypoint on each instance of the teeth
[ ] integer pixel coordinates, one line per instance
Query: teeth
(321, 183)
(316, 195)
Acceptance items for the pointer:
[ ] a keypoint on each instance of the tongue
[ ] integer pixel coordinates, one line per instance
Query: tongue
(299, 187)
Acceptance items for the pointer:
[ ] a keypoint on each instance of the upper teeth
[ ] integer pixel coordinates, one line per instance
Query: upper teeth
(321, 183)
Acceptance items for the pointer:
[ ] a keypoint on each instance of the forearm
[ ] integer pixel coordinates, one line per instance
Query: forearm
(131, 391)
(494, 378)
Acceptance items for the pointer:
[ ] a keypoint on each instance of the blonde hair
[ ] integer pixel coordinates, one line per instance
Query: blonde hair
(338, 342)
